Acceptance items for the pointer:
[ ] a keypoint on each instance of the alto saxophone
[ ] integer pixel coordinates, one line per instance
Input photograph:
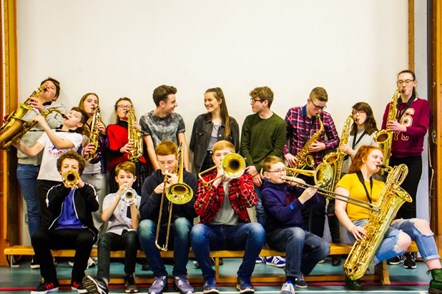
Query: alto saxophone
(14, 122)
(392, 198)
(384, 138)
(135, 137)
(337, 158)
(303, 157)
(94, 138)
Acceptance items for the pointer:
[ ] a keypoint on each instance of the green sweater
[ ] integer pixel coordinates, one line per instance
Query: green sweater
(261, 138)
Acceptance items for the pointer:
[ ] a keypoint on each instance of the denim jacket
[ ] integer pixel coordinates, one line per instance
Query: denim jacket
(201, 133)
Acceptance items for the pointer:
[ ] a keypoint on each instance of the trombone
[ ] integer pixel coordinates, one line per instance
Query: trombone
(323, 177)
(179, 193)
(233, 166)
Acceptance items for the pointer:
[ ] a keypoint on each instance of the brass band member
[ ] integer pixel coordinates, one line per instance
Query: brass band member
(153, 193)
(28, 166)
(302, 123)
(360, 184)
(94, 151)
(120, 148)
(409, 127)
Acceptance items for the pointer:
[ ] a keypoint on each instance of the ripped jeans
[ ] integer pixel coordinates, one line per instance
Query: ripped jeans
(387, 249)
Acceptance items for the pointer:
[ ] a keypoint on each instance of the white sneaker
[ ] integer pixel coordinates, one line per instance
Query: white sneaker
(287, 288)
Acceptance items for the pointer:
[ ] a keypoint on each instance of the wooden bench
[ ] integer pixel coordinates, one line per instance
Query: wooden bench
(381, 275)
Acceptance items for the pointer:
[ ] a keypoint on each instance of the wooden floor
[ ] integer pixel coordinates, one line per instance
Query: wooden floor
(22, 279)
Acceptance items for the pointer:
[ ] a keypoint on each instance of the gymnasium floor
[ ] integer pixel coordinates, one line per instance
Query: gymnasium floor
(22, 279)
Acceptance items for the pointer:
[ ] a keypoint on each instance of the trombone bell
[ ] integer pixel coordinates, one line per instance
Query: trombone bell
(323, 174)
(233, 165)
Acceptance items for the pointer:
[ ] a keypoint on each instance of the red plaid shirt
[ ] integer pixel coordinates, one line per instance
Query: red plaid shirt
(300, 128)
(209, 199)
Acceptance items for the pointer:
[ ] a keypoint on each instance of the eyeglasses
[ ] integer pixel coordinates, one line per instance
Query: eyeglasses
(277, 171)
(124, 106)
(317, 107)
(358, 112)
(400, 82)
(253, 101)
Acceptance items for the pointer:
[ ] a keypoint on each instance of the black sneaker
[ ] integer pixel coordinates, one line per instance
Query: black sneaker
(78, 286)
(396, 260)
(353, 284)
(410, 260)
(45, 287)
(130, 285)
(94, 286)
(35, 263)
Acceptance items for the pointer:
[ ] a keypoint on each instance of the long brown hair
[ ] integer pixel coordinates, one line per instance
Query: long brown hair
(360, 158)
(370, 122)
(219, 95)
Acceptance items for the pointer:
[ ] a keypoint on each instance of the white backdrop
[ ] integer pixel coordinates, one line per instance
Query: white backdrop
(127, 48)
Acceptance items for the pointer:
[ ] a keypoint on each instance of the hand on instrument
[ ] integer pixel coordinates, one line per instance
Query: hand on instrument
(358, 232)
(101, 128)
(292, 160)
(127, 148)
(89, 148)
(307, 194)
(346, 149)
(316, 147)
(393, 125)
(36, 103)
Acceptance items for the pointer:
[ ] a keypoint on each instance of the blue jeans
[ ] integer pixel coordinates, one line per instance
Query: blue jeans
(179, 238)
(303, 249)
(259, 208)
(27, 178)
(128, 241)
(425, 243)
(249, 237)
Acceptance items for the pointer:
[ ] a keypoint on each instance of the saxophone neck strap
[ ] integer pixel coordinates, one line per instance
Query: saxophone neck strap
(361, 179)
(356, 140)
(400, 113)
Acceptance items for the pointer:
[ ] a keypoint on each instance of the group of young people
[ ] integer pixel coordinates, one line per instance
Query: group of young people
(289, 218)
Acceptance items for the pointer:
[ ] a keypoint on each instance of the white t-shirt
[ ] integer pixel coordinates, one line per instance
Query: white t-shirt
(48, 167)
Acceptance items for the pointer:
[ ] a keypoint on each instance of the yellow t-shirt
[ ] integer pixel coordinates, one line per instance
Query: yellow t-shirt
(351, 183)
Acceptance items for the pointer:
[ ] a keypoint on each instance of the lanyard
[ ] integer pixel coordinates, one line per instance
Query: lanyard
(361, 179)
(355, 142)
(402, 112)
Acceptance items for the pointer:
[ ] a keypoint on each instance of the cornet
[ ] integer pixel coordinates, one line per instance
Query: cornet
(71, 178)
(128, 196)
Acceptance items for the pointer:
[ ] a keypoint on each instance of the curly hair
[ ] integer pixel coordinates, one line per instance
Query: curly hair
(360, 158)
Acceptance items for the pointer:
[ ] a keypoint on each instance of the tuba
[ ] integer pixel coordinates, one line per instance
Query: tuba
(179, 193)
(135, 137)
(337, 158)
(384, 138)
(14, 122)
(303, 156)
(392, 198)
(94, 138)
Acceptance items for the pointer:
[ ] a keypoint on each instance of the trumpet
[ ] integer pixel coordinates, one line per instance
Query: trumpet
(233, 166)
(128, 196)
(71, 178)
(179, 193)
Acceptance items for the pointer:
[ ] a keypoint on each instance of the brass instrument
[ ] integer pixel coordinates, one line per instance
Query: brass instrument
(329, 194)
(323, 175)
(384, 138)
(71, 178)
(336, 158)
(20, 128)
(303, 157)
(179, 193)
(135, 137)
(128, 196)
(94, 138)
(14, 123)
(233, 166)
(391, 199)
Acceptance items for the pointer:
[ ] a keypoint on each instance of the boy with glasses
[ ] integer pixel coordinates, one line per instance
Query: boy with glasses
(302, 122)
(283, 203)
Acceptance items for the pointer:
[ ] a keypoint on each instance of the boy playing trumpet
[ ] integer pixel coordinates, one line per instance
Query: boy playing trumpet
(120, 210)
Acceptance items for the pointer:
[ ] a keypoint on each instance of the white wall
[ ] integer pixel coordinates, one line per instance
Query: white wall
(127, 48)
